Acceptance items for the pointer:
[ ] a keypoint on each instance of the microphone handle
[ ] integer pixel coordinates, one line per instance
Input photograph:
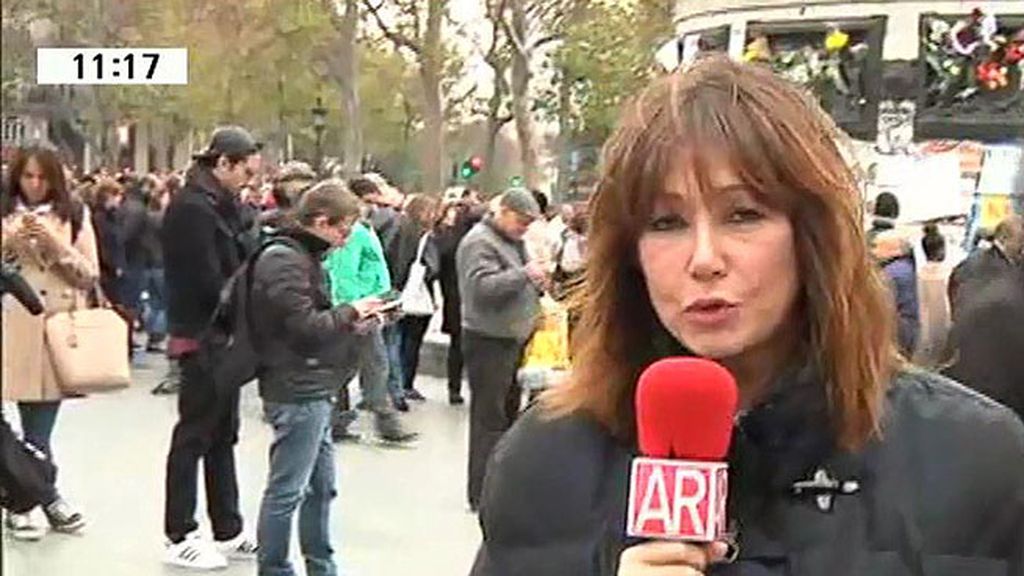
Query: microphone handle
(15, 284)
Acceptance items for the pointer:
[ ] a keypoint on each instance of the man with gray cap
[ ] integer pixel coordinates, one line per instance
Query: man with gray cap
(204, 240)
(500, 292)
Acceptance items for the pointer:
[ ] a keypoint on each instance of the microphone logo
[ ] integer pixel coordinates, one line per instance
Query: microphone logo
(677, 499)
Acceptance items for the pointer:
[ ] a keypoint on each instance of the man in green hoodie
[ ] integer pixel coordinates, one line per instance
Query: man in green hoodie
(358, 270)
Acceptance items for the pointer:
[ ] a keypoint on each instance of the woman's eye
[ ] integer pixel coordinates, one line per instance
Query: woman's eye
(667, 222)
(745, 215)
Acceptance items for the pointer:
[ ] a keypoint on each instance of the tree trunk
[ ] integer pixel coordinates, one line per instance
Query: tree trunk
(564, 135)
(431, 66)
(349, 52)
(521, 97)
(494, 126)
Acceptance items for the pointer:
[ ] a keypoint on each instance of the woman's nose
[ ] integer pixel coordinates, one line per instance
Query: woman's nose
(706, 260)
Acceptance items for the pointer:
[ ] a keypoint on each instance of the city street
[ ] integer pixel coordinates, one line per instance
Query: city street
(398, 511)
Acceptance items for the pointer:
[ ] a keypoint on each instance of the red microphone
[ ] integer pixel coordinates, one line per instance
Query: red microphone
(677, 491)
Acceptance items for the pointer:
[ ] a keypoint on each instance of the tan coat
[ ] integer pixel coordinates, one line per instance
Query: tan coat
(60, 277)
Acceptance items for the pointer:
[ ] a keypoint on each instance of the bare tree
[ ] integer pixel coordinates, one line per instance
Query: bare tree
(529, 25)
(423, 40)
(498, 57)
(342, 56)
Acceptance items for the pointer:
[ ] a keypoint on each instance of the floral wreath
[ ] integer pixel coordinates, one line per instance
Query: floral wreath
(973, 47)
(812, 65)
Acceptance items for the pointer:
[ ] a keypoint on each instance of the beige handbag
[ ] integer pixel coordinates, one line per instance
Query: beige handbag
(87, 347)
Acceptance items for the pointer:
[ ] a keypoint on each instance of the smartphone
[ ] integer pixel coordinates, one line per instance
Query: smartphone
(391, 296)
(389, 306)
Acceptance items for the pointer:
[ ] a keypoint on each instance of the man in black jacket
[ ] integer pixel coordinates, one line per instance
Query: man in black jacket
(203, 243)
(988, 328)
(299, 335)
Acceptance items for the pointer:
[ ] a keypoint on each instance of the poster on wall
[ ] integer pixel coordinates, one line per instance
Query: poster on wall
(928, 186)
(993, 209)
(1002, 170)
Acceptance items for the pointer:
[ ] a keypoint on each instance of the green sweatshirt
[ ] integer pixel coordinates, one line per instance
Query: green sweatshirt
(358, 269)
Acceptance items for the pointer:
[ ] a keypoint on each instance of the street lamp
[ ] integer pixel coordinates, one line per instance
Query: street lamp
(319, 125)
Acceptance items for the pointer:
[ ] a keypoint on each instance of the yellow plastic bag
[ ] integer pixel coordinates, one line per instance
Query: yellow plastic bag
(547, 354)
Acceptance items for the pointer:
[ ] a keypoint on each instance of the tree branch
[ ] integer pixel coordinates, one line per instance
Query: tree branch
(459, 100)
(400, 40)
(518, 43)
(546, 40)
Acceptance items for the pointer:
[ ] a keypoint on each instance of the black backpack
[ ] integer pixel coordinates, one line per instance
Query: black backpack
(229, 342)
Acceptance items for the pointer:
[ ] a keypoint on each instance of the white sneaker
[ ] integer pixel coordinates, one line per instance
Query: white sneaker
(238, 548)
(195, 553)
(22, 527)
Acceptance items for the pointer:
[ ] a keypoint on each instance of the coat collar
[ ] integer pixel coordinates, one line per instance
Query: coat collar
(313, 244)
(784, 438)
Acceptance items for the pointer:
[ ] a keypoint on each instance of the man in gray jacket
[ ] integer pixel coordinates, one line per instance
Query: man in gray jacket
(500, 302)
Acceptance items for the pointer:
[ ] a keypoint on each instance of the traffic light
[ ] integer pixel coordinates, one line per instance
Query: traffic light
(516, 182)
(470, 167)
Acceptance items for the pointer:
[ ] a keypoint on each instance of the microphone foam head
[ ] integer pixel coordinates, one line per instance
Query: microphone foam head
(685, 409)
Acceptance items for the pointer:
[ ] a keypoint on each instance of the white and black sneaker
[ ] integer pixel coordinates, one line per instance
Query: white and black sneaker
(238, 548)
(63, 518)
(195, 553)
(22, 527)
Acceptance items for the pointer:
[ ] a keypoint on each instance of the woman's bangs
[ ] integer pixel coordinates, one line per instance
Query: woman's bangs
(721, 132)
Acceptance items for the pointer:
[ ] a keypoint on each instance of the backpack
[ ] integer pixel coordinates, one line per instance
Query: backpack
(229, 342)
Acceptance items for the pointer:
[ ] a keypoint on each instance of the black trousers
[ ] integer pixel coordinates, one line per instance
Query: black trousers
(495, 396)
(455, 363)
(413, 329)
(207, 430)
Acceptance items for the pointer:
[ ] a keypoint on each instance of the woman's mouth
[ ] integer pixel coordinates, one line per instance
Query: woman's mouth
(710, 312)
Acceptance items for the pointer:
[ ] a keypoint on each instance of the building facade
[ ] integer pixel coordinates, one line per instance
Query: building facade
(887, 70)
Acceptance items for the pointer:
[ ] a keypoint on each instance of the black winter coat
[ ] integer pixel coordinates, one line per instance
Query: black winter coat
(979, 269)
(988, 336)
(204, 242)
(942, 494)
(301, 338)
(134, 230)
(401, 253)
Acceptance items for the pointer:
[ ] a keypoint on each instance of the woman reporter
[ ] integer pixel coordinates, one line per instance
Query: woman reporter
(50, 238)
(727, 226)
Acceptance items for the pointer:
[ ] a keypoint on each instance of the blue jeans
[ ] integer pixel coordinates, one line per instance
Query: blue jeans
(301, 472)
(37, 422)
(393, 340)
(155, 317)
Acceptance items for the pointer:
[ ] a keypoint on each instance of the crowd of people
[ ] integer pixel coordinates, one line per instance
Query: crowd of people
(745, 248)
(326, 256)
(961, 318)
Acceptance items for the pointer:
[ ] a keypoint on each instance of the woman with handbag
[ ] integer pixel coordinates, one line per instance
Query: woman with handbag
(413, 263)
(51, 239)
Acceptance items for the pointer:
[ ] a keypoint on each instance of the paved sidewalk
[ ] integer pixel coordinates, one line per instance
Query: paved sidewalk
(398, 512)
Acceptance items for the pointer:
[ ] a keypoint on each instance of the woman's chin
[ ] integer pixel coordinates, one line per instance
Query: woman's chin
(716, 348)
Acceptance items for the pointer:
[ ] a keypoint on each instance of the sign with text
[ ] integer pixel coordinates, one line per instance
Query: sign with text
(677, 500)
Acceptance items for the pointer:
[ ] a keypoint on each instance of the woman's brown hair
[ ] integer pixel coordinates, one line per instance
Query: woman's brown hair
(788, 151)
(50, 163)
(420, 208)
(102, 191)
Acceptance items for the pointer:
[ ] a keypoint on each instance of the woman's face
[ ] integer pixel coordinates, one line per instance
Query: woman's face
(721, 267)
(34, 184)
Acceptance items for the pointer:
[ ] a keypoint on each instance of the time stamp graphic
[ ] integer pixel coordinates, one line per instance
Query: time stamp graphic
(112, 66)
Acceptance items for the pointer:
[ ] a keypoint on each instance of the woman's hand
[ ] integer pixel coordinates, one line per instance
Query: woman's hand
(670, 559)
(39, 231)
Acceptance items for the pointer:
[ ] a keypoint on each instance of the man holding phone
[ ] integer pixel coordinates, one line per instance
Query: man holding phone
(300, 333)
